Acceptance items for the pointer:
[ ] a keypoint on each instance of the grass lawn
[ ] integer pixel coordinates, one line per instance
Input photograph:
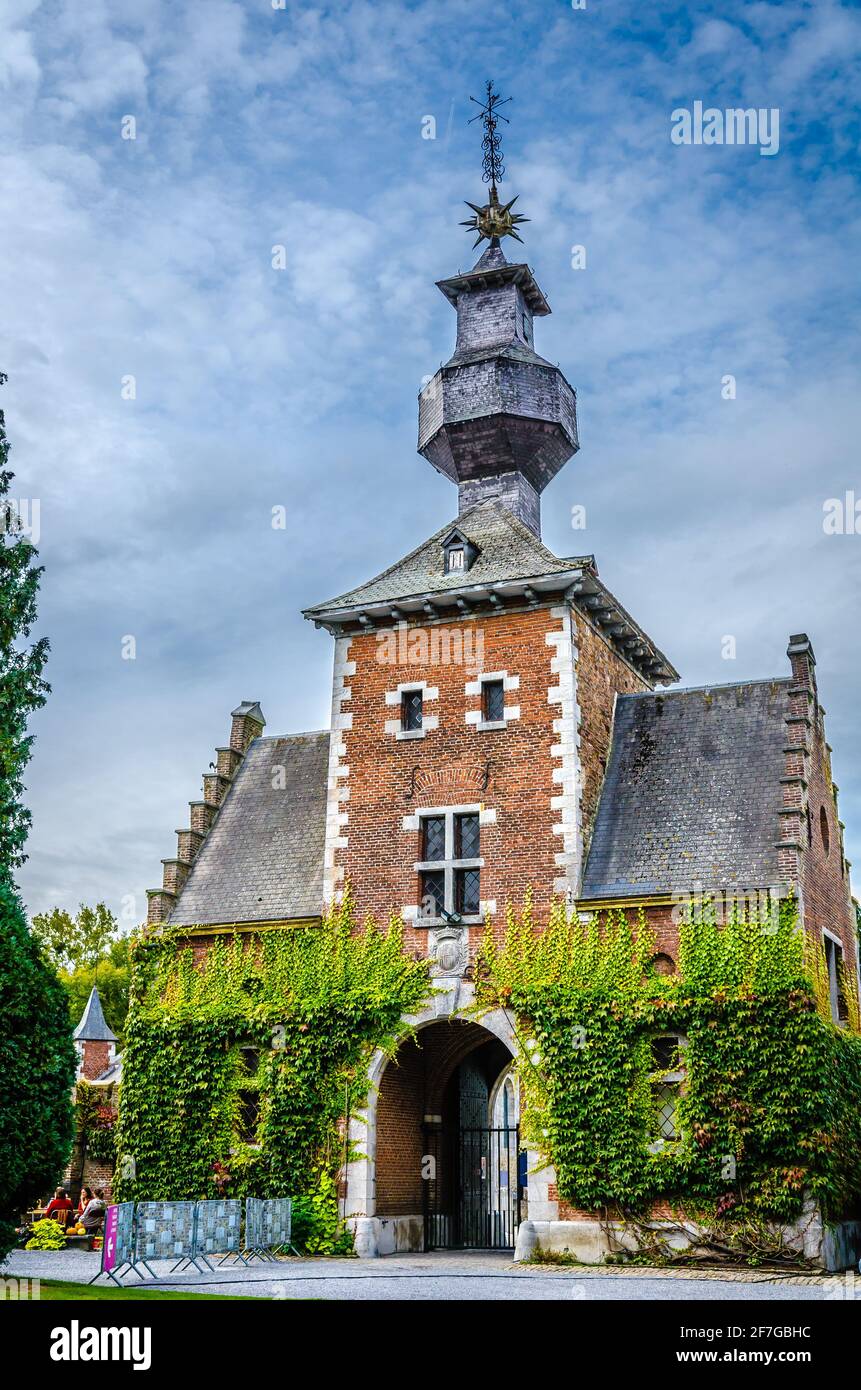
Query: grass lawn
(61, 1290)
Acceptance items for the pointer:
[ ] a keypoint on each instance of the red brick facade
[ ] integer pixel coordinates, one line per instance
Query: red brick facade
(512, 772)
(601, 675)
(96, 1058)
(509, 770)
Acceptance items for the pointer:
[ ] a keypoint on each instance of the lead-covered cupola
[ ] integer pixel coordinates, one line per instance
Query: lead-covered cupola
(497, 418)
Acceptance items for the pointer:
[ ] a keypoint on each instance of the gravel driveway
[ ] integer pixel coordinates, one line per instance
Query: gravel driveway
(450, 1276)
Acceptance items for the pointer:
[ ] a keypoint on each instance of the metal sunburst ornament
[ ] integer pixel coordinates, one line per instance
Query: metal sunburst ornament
(495, 219)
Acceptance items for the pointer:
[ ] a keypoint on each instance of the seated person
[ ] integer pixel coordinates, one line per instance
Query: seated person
(94, 1213)
(85, 1197)
(58, 1208)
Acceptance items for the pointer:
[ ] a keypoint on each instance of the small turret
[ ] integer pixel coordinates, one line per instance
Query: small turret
(95, 1042)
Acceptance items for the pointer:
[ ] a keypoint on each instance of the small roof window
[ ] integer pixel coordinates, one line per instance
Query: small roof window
(459, 553)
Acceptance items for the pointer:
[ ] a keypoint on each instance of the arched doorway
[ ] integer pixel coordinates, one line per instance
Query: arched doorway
(445, 1140)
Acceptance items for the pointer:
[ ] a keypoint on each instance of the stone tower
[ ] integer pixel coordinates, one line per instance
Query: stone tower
(498, 419)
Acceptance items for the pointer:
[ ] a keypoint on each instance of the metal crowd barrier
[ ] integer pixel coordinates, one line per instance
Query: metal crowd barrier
(191, 1232)
(165, 1231)
(118, 1241)
(268, 1226)
(218, 1231)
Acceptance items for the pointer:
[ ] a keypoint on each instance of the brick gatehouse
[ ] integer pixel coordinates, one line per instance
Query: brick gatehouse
(500, 722)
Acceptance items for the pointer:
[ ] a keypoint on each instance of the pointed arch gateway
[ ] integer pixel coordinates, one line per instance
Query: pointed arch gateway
(441, 1165)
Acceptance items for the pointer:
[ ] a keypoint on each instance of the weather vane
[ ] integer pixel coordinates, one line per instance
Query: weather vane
(494, 220)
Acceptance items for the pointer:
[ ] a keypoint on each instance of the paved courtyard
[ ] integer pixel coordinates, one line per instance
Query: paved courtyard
(450, 1276)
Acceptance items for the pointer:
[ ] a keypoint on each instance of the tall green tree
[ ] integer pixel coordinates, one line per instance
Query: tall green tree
(72, 943)
(37, 1057)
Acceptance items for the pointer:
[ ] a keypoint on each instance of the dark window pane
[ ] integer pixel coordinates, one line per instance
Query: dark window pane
(665, 1054)
(433, 837)
(466, 837)
(250, 1060)
(433, 893)
(466, 891)
(666, 1105)
(249, 1116)
(494, 701)
(411, 709)
(248, 1096)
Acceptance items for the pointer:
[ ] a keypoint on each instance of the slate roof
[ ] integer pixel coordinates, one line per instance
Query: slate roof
(112, 1075)
(263, 858)
(93, 1025)
(691, 792)
(508, 551)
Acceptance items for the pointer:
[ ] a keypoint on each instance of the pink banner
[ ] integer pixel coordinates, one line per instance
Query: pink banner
(109, 1248)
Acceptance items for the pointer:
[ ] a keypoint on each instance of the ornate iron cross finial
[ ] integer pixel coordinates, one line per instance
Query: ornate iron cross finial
(494, 220)
(494, 169)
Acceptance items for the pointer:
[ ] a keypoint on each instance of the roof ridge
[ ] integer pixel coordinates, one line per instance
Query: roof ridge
(695, 689)
(303, 733)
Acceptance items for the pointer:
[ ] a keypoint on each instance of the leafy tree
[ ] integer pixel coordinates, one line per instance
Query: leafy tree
(37, 1058)
(22, 688)
(72, 943)
(111, 976)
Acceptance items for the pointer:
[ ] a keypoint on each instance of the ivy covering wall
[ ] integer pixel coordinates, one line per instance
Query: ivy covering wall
(769, 1105)
(276, 1031)
(292, 1015)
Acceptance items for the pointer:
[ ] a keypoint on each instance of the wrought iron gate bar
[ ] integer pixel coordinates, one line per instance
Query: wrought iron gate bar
(472, 1192)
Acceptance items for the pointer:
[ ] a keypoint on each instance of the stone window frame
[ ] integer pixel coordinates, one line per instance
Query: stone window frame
(429, 721)
(413, 824)
(676, 1079)
(473, 688)
(832, 959)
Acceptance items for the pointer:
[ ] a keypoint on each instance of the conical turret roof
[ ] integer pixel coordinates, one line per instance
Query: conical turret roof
(93, 1027)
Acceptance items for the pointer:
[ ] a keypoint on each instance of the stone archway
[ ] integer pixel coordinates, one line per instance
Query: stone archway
(411, 1098)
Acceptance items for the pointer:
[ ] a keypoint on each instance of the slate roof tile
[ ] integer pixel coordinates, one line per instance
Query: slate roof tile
(507, 550)
(263, 858)
(691, 792)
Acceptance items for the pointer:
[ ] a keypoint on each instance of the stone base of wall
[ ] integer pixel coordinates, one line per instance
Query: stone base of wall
(841, 1246)
(831, 1248)
(387, 1235)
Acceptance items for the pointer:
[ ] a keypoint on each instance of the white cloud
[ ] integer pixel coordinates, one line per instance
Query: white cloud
(256, 387)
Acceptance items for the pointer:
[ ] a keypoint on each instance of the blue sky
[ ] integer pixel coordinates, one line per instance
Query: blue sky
(301, 127)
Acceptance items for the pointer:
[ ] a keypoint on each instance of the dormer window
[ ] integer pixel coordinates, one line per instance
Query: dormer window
(459, 553)
(526, 328)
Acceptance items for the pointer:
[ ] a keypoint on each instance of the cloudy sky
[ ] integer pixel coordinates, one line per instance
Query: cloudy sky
(256, 126)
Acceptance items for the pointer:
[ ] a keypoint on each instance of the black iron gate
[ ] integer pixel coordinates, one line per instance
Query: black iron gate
(471, 1188)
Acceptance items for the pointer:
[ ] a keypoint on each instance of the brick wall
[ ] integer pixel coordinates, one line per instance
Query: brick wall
(400, 1139)
(96, 1059)
(601, 675)
(824, 875)
(388, 778)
